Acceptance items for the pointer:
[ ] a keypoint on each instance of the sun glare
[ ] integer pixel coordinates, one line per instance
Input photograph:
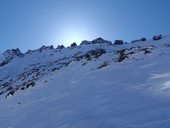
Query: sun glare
(67, 34)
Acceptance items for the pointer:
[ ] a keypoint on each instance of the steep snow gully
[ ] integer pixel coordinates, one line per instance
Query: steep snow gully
(98, 84)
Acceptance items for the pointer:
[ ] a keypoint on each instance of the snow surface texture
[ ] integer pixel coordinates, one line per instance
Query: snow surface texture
(93, 85)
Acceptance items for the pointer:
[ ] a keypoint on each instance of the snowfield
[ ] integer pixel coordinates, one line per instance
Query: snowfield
(93, 85)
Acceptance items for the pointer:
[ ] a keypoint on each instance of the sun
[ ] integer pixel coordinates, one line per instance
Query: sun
(73, 35)
(72, 32)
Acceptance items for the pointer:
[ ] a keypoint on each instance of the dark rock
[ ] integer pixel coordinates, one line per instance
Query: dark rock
(134, 41)
(96, 53)
(8, 55)
(84, 63)
(157, 37)
(54, 69)
(146, 50)
(88, 57)
(130, 53)
(96, 41)
(22, 88)
(10, 93)
(74, 45)
(85, 42)
(89, 54)
(60, 47)
(29, 52)
(122, 55)
(13, 52)
(1, 93)
(44, 48)
(100, 41)
(118, 42)
(103, 65)
(143, 39)
(168, 45)
(32, 83)
(51, 47)
(4, 63)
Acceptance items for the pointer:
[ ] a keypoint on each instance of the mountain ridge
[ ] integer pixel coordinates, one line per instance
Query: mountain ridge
(96, 84)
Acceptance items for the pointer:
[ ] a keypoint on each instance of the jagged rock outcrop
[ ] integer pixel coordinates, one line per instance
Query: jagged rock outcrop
(96, 41)
(35, 64)
(142, 39)
(118, 42)
(73, 45)
(8, 55)
(60, 47)
(157, 37)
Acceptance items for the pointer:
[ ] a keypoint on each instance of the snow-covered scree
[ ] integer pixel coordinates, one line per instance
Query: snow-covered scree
(93, 85)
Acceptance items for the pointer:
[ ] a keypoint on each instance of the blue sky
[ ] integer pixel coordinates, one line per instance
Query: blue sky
(29, 24)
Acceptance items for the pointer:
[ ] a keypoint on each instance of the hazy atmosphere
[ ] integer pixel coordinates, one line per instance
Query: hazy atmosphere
(29, 24)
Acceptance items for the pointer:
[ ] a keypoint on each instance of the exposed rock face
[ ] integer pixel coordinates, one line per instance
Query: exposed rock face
(13, 52)
(8, 55)
(118, 42)
(44, 48)
(85, 42)
(105, 64)
(96, 41)
(142, 39)
(4, 63)
(157, 37)
(60, 47)
(89, 55)
(73, 45)
(96, 53)
(92, 86)
(122, 55)
(48, 60)
(100, 41)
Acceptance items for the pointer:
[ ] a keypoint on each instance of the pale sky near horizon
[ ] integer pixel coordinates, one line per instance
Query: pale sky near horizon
(29, 24)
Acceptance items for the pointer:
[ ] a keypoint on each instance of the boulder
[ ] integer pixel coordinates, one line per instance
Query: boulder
(143, 39)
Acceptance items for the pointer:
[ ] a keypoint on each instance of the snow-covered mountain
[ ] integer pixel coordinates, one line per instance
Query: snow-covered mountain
(98, 84)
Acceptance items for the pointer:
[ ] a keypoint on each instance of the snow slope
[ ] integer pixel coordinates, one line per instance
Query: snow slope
(94, 85)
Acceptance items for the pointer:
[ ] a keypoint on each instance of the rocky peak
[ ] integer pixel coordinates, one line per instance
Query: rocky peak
(73, 45)
(100, 41)
(8, 55)
(96, 41)
(44, 48)
(13, 52)
(60, 47)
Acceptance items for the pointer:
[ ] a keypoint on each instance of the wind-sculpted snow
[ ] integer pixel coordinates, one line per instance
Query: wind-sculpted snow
(94, 85)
